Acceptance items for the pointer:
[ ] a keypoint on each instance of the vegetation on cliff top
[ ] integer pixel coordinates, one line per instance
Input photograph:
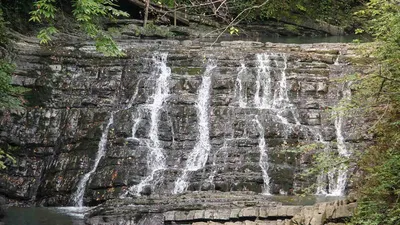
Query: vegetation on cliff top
(378, 93)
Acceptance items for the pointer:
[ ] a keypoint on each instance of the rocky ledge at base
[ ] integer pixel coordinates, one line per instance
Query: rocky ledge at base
(217, 208)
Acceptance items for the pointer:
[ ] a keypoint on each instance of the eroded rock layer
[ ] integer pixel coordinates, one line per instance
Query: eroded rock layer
(173, 116)
(217, 208)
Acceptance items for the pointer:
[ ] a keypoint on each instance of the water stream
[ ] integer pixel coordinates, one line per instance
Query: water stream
(77, 196)
(155, 157)
(241, 94)
(263, 95)
(273, 95)
(199, 155)
(263, 162)
(338, 175)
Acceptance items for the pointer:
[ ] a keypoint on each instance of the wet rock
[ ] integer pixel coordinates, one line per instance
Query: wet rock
(74, 90)
(146, 191)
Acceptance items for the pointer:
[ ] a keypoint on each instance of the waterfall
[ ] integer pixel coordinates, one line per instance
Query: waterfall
(321, 178)
(263, 95)
(241, 97)
(263, 162)
(136, 119)
(337, 186)
(134, 96)
(336, 63)
(199, 155)
(155, 157)
(136, 122)
(281, 99)
(77, 197)
(223, 149)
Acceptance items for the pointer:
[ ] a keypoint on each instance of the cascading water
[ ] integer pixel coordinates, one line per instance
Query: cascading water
(266, 97)
(321, 178)
(134, 96)
(155, 157)
(281, 99)
(276, 100)
(240, 93)
(136, 119)
(223, 149)
(136, 122)
(263, 162)
(199, 155)
(77, 197)
(263, 95)
(337, 186)
(271, 94)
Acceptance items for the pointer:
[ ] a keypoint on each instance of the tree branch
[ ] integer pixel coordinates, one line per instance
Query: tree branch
(234, 21)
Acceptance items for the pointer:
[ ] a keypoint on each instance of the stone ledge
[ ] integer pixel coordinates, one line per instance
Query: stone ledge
(209, 208)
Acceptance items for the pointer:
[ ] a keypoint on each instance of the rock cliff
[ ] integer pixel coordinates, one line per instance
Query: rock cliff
(174, 116)
(217, 208)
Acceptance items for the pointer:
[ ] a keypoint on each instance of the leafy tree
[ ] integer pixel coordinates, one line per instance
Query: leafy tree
(88, 14)
(379, 95)
(8, 93)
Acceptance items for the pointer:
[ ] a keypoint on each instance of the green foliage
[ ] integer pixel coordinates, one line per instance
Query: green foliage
(3, 33)
(380, 197)
(88, 14)
(323, 160)
(169, 3)
(8, 93)
(45, 34)
(378, 95)
(233, 31)
(3, 157)
(45, 10)
(332, 11)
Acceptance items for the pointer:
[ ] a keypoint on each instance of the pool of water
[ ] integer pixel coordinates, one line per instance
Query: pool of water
(45, 216)
(293, 39)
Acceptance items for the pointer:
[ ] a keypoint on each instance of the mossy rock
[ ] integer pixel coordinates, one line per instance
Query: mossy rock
(355, 60)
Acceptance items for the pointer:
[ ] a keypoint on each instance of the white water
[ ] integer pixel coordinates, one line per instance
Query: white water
(136, 122)
(241, 97)
(337, 186)
(263, 162)
(155, 157)
(321, 178)
(336, 63)
(134, 96)
(77, 197)
(275, 99)
(281, 99)
(263, 95)
(199, 155)
(223, 149)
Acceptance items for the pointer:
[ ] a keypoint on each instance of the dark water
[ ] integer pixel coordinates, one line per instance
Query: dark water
(44, 216)
(294, 39)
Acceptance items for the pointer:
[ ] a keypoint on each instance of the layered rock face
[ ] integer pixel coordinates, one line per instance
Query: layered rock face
(220, 208)
(174, 116)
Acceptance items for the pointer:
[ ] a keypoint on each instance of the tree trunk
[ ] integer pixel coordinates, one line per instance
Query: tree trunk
(146, 13)
(174, 13)
(156, 8)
